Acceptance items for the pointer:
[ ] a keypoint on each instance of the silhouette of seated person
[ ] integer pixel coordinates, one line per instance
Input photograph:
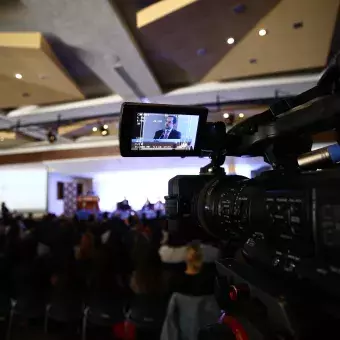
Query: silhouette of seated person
(5, 213)
(123, 210)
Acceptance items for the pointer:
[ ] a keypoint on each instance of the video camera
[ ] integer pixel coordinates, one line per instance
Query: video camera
(284, 282)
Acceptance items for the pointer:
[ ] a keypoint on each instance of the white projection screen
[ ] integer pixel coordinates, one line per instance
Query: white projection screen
(24, 188)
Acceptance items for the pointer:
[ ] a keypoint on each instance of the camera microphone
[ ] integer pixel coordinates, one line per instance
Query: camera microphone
(320, 158)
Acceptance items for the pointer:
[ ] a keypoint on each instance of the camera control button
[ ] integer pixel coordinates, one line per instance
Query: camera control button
(237, 292)
(276, 262)
(290, 267)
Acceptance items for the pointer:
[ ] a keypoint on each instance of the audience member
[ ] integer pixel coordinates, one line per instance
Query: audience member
(29, 221)
(5, 213)
(148, 276)
(85, 250)
(174, 250)
(66, 281)
(104, 262)
(5, 271)
(149, 304)
(107, 287)
(197, 279)
(29, 275)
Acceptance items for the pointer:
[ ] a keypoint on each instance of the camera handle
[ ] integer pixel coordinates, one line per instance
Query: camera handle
(214, 167)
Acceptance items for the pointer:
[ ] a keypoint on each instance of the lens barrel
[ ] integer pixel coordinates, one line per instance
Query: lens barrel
(222, 208)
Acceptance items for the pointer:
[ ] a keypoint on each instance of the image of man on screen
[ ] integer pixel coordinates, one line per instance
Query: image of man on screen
(168, 132)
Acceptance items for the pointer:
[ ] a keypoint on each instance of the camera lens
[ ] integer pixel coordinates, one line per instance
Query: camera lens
(223, 206)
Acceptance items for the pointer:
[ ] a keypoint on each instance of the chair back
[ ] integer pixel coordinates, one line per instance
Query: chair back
(30, 285)
(65, 309)
(148, 311)
(5, 300)
(29, 307)
(105, 312)
(5, 305)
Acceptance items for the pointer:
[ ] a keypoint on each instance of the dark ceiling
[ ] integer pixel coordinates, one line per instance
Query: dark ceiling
(182, 47)
(140, 4)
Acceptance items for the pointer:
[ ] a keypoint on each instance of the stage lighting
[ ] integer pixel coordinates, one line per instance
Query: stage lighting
(95, 129)
(51, 136)
(241, 115)
(225, 115)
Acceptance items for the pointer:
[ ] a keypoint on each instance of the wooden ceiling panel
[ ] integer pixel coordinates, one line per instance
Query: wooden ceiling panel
(160, 9)
(283, 49)
(44, 80)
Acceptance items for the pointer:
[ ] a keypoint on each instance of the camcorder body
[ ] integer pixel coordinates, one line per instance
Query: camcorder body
(282, 277)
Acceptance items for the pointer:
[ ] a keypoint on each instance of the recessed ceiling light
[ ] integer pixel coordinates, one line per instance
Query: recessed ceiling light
(94, 129)
(225, 115)
(18, 75)
(262, 32)
(230, 41)
(241, 115)
(105, 126)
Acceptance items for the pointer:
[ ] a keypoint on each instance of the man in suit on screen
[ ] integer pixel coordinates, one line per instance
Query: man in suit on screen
(168, 132)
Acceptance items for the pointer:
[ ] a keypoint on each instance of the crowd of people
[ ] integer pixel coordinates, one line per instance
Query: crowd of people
(128, 272)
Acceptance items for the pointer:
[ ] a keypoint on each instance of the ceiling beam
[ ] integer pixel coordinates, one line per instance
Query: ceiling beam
(72, 129)
(202, 94)
(33, 131)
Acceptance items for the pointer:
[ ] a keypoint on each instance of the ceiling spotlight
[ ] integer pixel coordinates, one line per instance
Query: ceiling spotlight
(262, 32)
(104, 130)
(225, 115)
(230, 41)
(94, 129)
(241, 115)
(18, 75)
(51, 136)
